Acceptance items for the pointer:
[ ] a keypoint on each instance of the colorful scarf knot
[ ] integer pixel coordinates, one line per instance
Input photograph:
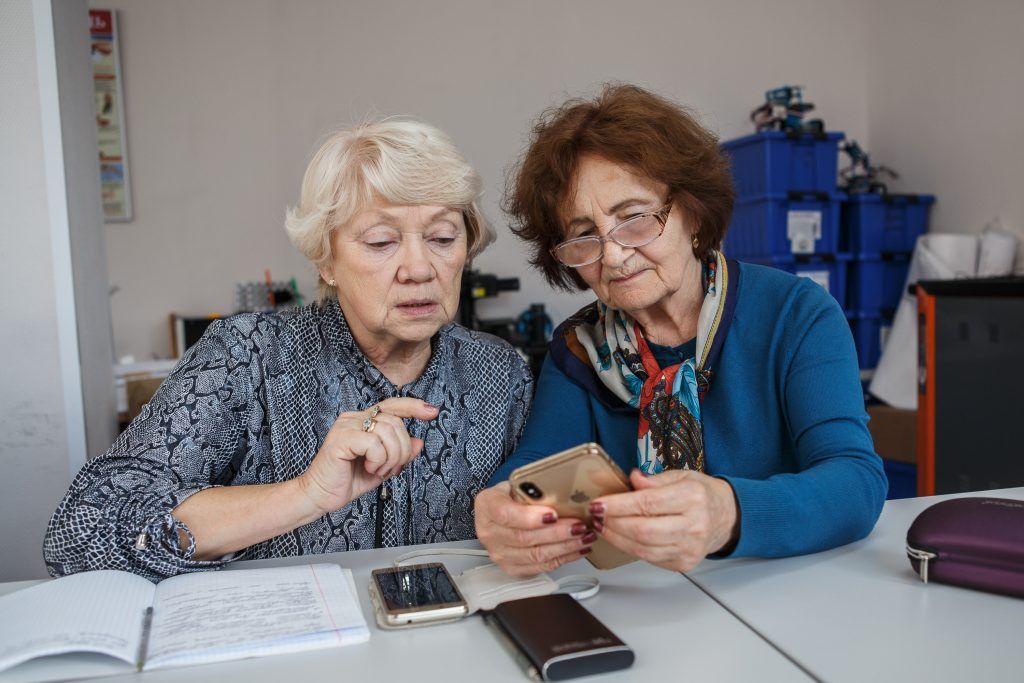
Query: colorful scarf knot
(605, 351)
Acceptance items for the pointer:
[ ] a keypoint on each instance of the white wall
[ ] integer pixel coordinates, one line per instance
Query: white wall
(84, 216)
(42, 420)
(946, 107)
(225, 102)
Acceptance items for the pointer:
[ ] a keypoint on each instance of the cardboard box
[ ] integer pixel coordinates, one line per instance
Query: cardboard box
(894, 431)
(140, 390)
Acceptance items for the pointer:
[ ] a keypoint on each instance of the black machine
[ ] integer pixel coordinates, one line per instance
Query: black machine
(784, 109)
(861, 176)
(529, 333)
(477, 285)
(971, 368)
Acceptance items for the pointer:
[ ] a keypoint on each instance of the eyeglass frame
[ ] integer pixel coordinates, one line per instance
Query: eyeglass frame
(661, 215)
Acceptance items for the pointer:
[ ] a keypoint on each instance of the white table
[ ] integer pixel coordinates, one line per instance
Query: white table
(860, 613)
(677, 632)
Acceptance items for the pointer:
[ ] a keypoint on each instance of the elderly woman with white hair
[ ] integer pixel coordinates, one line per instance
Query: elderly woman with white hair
(366, 420)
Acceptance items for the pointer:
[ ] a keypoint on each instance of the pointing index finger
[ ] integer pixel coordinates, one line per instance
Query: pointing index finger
(406, 406)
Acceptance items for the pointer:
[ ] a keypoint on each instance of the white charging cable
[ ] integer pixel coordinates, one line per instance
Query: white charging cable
(579, 586)
(406, 558)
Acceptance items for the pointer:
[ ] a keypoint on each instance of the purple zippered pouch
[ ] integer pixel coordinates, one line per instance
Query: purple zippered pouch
(972, 542)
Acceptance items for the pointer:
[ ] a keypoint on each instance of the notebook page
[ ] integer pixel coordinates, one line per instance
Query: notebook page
(217, 616)
(98, 611)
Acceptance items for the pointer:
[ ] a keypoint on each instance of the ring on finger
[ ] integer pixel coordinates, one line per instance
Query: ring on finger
(375, 410)
(369, 424)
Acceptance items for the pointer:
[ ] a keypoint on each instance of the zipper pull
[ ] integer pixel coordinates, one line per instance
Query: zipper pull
(922, 557)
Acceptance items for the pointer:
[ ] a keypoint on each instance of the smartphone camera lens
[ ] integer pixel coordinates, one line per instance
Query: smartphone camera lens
(531, 489)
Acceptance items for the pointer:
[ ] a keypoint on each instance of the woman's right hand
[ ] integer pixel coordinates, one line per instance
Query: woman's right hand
(527, 539)
(351, 461)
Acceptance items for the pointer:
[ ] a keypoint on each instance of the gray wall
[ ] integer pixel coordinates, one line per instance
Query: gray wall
(33, 440)
(226, 100)
(946, 107)
(48, 191)
(85, 223)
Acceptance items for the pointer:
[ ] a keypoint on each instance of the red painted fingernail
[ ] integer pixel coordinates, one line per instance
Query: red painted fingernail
(549, 518)
(589, 538)
(597, 509)
(598, 524)
(578, 529)
(586, 550)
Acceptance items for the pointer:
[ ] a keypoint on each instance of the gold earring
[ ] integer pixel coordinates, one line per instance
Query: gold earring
(695, 242)
(332, 283)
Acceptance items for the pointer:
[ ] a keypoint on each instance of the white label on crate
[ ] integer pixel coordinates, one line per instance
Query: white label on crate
(819, 276)
(802, 229)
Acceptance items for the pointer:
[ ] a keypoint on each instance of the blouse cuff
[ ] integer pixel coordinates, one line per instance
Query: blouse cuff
(157, 540)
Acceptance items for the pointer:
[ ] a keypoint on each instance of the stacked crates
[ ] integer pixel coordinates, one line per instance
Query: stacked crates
(788, 210)
(879, 232)
(790, 215)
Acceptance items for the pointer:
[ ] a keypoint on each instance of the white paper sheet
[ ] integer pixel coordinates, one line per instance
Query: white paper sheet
(218, 616)
(936, 257)
(997, 252)
(75, 614)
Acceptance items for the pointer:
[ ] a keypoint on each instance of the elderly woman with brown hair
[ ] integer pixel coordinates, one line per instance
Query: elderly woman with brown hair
(365, 420)
(730, 391)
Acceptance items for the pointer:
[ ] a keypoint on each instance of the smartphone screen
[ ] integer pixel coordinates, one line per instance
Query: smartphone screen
(414, 588)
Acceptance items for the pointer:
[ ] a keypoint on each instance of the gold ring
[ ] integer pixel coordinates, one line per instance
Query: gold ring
(375, 410)
(369, 424)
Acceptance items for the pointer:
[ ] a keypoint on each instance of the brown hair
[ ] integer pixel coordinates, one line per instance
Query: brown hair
(626, 125)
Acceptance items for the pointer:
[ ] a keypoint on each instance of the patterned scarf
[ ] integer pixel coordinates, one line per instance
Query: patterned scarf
(604, 350)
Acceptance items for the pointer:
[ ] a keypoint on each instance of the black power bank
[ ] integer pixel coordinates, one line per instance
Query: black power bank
(558, 638)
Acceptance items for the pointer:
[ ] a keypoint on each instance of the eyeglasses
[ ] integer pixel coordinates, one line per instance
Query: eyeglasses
(633, 232)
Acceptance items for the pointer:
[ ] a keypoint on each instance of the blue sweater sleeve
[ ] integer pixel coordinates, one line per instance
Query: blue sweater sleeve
(559, 419)
(837, 491)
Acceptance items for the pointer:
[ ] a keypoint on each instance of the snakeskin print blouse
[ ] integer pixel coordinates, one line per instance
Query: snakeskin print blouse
(251, 403)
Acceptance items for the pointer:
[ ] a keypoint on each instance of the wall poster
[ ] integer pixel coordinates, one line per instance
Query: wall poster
(110, 124)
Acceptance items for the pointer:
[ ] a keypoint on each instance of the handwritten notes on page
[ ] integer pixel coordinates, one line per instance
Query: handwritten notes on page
(197, 618)
(217, 616)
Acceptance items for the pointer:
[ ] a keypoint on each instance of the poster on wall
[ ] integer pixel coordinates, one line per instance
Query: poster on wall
(110, 125)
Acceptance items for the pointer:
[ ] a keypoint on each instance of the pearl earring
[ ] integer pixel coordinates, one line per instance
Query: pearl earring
(332, 283)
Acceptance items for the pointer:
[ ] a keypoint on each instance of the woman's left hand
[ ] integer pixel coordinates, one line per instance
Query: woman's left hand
(673, 520)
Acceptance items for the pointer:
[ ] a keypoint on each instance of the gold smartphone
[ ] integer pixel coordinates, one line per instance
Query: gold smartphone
(567, 482)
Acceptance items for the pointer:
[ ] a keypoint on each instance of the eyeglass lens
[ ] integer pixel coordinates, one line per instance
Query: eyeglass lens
(635, 232)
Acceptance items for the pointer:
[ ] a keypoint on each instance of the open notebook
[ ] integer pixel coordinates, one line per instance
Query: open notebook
(187, 619)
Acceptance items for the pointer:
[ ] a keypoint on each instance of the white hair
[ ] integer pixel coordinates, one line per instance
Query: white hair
(400, 161)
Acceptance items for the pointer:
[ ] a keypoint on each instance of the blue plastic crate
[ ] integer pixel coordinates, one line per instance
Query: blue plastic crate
(876, 224)
(876, 284)
(784, 225)
(870, 330)
(902, 479)
(774, 162)
(830, 273)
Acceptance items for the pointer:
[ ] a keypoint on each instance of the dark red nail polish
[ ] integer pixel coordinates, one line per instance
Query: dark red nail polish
(598, 525)
(578, 529)
(549, 518)
(597, 509)
(585, 551)
(589, 538)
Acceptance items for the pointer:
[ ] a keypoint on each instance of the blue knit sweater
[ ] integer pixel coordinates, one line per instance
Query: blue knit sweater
(784, 420)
